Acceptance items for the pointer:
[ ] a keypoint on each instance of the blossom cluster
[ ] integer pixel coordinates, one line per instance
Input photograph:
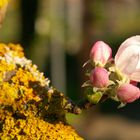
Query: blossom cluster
(117, 77)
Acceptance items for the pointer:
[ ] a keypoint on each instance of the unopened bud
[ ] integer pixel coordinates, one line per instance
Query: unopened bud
(99, 77)
(128, 93)
(100, 52)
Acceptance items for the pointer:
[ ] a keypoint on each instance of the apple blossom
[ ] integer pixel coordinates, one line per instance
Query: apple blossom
(99, 77)
(127, 59)
(100, 53)
(128, 93)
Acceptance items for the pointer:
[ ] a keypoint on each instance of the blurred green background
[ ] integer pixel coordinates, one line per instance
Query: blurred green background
(58, 35)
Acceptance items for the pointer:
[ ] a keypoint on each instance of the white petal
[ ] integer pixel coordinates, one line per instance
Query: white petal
(135, 76)
(128, 59)
(134, 40)
(138, 65)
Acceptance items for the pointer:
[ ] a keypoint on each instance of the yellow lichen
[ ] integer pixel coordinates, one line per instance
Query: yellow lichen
(37, 129)
(8, 93)
(30, 109)
(17, 49)
(23, 77)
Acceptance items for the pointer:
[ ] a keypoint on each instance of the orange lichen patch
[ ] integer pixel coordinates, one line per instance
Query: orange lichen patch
(23, 77)
(2, 49)
(34, 128)
(8, 94)
(5, 67)
(17, 49)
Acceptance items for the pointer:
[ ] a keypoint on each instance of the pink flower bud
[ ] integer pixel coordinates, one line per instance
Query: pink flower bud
(99, 77)
(100, 52)
(128, 93)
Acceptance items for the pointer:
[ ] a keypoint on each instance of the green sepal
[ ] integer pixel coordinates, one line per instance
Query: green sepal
(86, 84)
(94, 98)
(87, 62)
(121, 105)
